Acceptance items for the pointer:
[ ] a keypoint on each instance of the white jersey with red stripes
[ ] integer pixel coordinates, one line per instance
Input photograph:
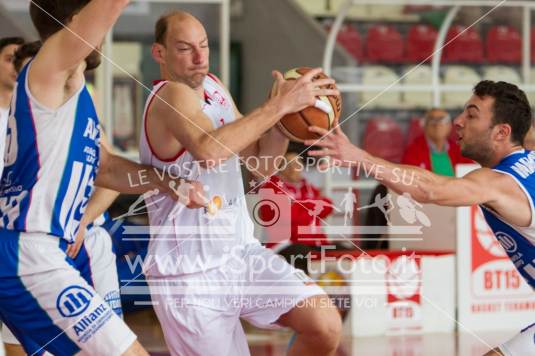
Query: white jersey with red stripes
(192, 240)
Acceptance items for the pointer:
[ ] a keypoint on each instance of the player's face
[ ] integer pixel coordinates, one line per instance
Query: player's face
(186, 52)
(8, 75)
(475, 128)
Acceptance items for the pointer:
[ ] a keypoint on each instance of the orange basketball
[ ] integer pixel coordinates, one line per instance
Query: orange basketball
(296, 125)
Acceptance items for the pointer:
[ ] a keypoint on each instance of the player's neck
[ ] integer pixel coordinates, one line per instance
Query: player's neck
(5, 97)
(500, 154)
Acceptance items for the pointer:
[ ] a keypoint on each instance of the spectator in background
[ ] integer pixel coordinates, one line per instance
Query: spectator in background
(307, 208)
(434, 150)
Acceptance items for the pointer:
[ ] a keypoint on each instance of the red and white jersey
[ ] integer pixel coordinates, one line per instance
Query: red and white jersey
(192, 240)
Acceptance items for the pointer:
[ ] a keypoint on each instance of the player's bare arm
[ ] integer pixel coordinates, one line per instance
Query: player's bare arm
(102, 198)
(115, 173)
(482, 186)
(268, 148)
(55, 74)
(181, 116)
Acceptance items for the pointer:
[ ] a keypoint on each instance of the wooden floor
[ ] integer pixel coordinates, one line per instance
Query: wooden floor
(274, 343)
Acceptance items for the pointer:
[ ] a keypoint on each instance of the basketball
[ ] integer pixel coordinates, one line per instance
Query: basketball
(295, 126)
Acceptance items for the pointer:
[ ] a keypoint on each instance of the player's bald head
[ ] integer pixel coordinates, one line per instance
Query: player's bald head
(176, 19)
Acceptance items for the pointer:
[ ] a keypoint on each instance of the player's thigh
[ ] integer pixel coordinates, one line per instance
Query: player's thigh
(47, 304)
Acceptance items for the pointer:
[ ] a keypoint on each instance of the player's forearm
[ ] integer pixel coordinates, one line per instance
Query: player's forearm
(421, 184)
(99, 202)
(271, 148)
(128, 177)
(235, 137)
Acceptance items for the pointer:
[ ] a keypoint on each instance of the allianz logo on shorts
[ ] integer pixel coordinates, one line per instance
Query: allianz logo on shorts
(73, 301)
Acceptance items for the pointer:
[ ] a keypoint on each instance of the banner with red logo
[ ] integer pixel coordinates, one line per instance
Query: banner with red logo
(403, 285)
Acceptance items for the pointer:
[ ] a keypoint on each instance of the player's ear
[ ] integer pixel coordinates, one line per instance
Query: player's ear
(158, 51)
(504, 132)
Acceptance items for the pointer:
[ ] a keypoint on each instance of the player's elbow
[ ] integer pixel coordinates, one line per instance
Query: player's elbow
(207, 156)
(208, 152)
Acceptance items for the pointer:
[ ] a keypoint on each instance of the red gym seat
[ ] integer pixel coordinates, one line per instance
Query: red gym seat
(384, 44)
(383, 138)
(420, 43)
(504, 45)
(350, 39)
(466, 47)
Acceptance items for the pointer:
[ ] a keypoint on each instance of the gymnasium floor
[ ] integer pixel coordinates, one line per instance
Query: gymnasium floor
(274, 343)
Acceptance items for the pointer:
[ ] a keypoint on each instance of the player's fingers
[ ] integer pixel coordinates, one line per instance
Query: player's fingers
(277, 76)
(321, 153)
(308, 76)
(320, 143)
(324, 82)
(69, 250)
(319, 130)
(326, 92)
(73, 249)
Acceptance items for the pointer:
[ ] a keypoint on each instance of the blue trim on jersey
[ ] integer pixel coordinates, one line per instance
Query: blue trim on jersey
(521, 251)
(76, 156)
(21, 312)
(70, 192)
(25, 171)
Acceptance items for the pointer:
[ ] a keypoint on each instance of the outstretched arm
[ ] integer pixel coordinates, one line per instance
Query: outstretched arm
(124, 176)
(400, 178)
(482, 187)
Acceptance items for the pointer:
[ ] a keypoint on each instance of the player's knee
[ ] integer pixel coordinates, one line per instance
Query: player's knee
(14, 350)
(326, 331)
(494, 352)
(135, 350)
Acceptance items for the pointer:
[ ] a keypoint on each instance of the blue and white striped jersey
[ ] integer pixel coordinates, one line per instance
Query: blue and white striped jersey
(518, 242)
(51, 160)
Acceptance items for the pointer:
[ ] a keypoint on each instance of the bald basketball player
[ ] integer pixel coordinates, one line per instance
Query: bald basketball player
(50, 170)
(491, 131)
(191, 121)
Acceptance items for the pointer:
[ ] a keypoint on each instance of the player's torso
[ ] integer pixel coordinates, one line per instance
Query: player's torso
(51, 160)
(200, 232)
(518, 242)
